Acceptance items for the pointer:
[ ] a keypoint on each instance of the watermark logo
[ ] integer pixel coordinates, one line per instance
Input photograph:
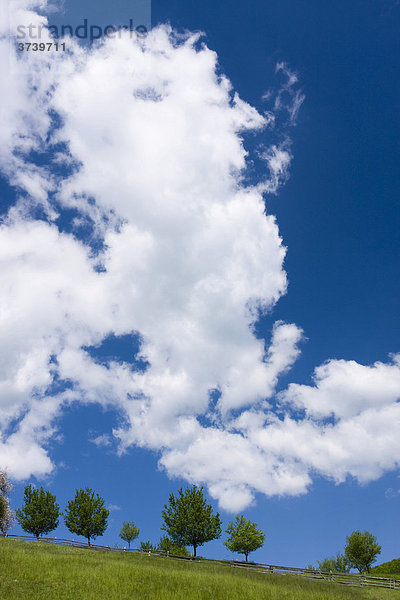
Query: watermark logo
(85, 31)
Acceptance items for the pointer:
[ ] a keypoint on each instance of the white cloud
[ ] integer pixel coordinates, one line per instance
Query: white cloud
(190, 259)
(345, 388)
(278, 159)
(103, 440)
(289, 98)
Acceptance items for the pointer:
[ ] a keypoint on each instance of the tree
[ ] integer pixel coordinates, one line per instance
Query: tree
(5, 484)
(40, 511)
(168, 546)
(6, 514)
(147, 546)
(3, 508)
(189, 520)
(342, 564)
(361, 550)
(129, 532)
(244, 537)
(86, 515)
(339, 563)
(326, 565)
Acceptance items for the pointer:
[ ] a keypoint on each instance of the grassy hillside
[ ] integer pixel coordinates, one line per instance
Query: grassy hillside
(387, 569)
(33, 571)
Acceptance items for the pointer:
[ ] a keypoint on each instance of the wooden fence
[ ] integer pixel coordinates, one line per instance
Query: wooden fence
(332, 577)
(353, 579)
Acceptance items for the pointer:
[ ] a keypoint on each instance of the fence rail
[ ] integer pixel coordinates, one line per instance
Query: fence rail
(341, 578)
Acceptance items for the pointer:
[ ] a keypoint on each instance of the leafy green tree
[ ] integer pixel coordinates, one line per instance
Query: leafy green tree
(147, 546)
(40, 511)
(129, 532)
(244, 537)
(339, 564)
(86, 514)
(361, 550)
(189, 520)
(326, 565)
(6, 514)
(167, 545)
(342, 564)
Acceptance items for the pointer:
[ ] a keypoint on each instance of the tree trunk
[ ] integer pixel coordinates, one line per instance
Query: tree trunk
(246, 555)
(129, 544)
(194, 550)
(88, 541)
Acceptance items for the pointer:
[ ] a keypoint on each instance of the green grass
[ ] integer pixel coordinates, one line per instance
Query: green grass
(34, 571)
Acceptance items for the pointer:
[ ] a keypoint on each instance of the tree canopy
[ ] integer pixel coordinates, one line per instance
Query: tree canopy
(129, 532)
(361, 550)
(40, 511)
(244, 537)
(189, 520)
(86, 515)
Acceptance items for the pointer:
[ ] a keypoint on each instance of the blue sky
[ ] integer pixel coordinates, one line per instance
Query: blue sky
(164, 247)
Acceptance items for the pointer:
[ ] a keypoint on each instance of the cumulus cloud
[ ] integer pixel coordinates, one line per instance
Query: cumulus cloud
(148, 144)
(345, 388)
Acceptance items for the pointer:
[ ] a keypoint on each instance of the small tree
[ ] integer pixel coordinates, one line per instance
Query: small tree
(244, 537)
(189, 520)
(361, 550)
(40, 512)
(342, 564)
(129, 532)
(147, 546)
(339, 563)
(326, 565)
(86, 515)
(6, 514)
(168, 546)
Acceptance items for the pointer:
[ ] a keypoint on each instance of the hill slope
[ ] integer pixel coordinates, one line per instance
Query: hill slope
(388, 568)
(34, 571)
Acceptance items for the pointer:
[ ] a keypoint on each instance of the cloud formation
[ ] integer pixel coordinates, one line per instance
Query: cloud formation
(144, 147)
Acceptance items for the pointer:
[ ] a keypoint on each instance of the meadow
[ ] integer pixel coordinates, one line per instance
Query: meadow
(37, 571)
